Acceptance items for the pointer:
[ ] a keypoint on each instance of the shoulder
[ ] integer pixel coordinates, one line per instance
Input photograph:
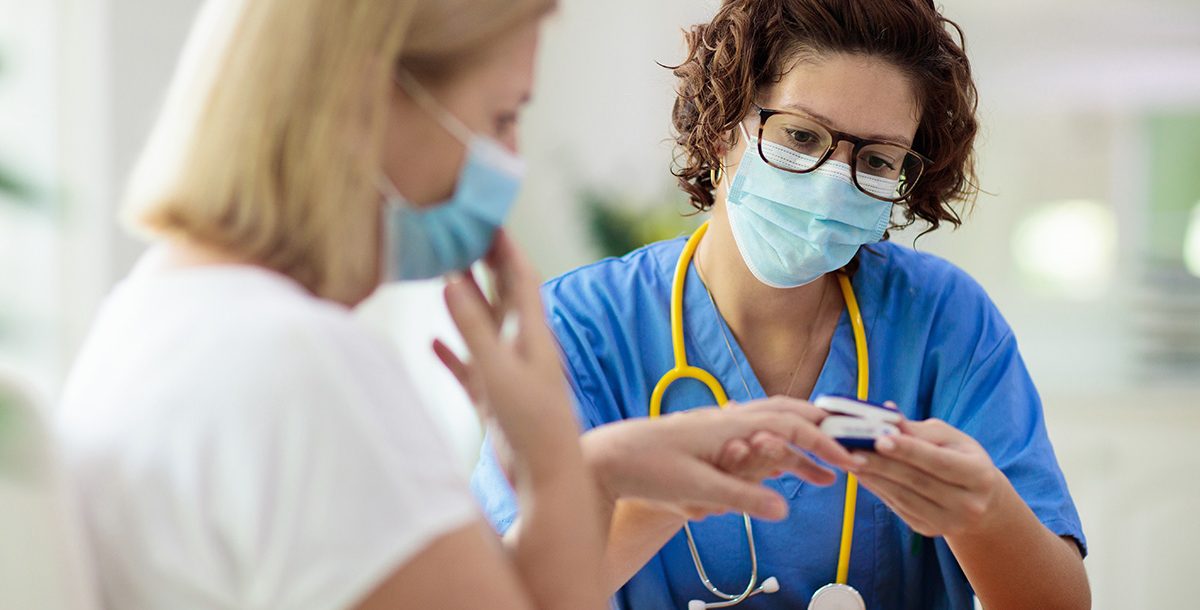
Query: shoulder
(920, 286)
(589, 286)
(919, 273)
(902, 272)
(227, 343)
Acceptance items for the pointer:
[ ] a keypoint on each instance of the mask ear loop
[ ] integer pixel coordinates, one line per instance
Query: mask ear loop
(391, 195)
(425, 100)
(716, 175)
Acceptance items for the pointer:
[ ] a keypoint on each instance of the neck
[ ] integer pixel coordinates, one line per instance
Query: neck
(754, 311)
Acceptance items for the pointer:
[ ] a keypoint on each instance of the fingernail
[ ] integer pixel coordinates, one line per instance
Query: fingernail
(454, 290)
(885, 444)
(858, 460)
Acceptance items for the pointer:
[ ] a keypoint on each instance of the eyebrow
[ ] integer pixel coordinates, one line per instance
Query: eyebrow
(828, 121)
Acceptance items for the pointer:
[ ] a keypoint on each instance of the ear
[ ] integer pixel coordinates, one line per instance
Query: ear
(732, 145)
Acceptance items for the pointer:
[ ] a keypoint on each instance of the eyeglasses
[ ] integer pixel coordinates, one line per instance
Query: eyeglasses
(799, 144)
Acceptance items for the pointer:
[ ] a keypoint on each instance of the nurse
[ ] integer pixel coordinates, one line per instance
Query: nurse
(806, 129)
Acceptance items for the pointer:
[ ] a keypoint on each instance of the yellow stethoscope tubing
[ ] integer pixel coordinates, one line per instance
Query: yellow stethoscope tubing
(864, 384)
(682, 370)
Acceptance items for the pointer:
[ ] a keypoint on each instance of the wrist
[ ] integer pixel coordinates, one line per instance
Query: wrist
(599, 463)
(999, 516)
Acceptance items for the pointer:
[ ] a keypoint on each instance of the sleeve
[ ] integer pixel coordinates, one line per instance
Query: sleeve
(997, 404)
(492, 490)
(331, 479)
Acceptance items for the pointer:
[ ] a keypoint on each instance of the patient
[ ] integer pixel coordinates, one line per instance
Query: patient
(237, 440)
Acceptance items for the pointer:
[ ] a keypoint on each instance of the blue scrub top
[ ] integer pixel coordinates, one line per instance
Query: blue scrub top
(937, 347)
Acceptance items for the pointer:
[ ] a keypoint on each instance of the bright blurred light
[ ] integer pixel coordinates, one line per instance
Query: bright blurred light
(1191, 243)
(1068, 246)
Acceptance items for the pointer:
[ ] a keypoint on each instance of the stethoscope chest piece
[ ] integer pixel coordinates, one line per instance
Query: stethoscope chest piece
(837, 597)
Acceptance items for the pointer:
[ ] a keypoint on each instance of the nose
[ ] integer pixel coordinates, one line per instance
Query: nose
(844, 152)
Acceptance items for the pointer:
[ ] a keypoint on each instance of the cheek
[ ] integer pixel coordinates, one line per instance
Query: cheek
(424, 169)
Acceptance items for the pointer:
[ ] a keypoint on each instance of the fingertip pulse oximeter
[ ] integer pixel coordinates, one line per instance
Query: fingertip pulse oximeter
(856, 424)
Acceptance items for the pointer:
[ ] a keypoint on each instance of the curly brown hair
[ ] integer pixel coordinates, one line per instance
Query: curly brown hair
(748, 45)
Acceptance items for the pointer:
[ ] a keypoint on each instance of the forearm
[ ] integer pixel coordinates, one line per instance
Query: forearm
(634, 530)
(1015, 562)
(557, 544)
(638, 531)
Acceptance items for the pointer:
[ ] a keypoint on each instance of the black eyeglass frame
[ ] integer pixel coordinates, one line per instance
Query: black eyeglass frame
(764, 114)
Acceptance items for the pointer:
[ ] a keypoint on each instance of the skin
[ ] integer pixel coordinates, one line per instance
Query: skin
(567, 488)
(936, 478)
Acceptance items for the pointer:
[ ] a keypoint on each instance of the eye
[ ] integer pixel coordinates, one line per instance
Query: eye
(878, 163)
(803, 137)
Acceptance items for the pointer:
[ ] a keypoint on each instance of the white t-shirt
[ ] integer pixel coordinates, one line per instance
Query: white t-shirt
(235, 442)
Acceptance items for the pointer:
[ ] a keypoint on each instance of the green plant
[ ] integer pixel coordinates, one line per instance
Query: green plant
(620, 224)
(12, 187)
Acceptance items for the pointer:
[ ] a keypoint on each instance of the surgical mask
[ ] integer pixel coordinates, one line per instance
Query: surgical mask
(450, 236)
(793, 228)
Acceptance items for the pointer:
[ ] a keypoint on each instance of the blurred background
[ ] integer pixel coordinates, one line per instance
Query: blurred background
(1088, 237)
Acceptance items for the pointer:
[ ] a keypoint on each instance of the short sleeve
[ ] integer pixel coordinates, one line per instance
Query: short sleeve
(329, 478)
(998, 405)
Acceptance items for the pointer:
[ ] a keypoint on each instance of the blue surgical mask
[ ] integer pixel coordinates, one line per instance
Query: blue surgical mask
(431, 241)
(793, 228)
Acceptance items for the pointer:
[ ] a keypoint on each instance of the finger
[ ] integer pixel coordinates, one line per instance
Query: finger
(460, 370)
(766, 451)
(516, 280)
(735, 495)
(895, 407)
(519, 286)
(790, 406)
(771, 456)
(945, 464)
(763, 454)
(489, 296)
(915, 509)
(803, 433)
(733, 456)
(805, 468)
(700, 511)
(935, 431)
(451, 361)
(473, 318)
(918, 481)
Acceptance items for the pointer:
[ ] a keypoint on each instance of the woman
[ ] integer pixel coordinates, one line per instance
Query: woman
(238, 441)
(801, 125)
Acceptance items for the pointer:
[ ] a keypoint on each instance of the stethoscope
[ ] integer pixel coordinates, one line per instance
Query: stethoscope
(835, 596)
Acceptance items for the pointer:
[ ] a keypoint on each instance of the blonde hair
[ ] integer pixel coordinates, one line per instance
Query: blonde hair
(270, 141)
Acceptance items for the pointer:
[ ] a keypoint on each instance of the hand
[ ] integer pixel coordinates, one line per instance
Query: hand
(516, 382)
(755, 458)
(940, 481)
(676, 460)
